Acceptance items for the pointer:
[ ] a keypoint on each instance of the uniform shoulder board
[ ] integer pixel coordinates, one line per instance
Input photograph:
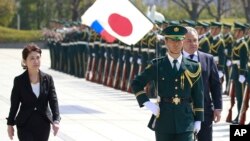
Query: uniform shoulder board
(154, 62)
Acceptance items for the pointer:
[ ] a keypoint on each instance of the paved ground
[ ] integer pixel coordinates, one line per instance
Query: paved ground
(89, 111)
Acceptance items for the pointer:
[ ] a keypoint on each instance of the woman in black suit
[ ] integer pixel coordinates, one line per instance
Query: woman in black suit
(32, 92)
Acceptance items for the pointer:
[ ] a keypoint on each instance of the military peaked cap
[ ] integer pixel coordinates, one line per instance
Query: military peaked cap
(226, 25)
(240, 26)
(174, 32)
(202, 24)
(215, 24)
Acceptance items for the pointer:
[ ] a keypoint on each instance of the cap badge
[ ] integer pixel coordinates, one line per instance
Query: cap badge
(176, 29)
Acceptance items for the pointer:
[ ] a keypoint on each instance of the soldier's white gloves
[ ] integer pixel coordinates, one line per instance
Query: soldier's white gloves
(220, 74)
(154, 108)
(242, 79)
(197, 126)
(229, 63)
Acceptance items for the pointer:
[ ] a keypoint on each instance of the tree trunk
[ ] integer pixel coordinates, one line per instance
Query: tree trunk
(194, 13)
(59, 7)
(74, 6)
(246, 4)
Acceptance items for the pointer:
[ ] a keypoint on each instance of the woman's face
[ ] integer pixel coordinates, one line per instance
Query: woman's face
(33, 61)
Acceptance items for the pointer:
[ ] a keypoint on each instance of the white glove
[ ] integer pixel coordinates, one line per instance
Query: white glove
(242, 78)
(197, 126)
(154, 108)
(229, 63)
(220, 74)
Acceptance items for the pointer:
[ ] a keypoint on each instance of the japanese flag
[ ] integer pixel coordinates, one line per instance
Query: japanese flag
(117, 19)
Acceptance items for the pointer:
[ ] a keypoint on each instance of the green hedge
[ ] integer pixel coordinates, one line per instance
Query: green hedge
(13, 35)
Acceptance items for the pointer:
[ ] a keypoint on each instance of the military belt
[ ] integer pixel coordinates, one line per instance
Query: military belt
(174, 99)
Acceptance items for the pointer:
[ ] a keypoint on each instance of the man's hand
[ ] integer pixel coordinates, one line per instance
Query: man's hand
(154, 108)
(11, 131)
(55, 127)
(197, 126)
(220, 73)
(242, 78)
(229, 63)
(217, 115)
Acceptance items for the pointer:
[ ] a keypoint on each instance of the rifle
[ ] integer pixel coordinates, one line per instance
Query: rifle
(101, 63)
(244, 106)
(133, 70)
(114, 60)
(89, 63)
(118, 69)
(107, 64)
(232, 96)
(90, 57)
(94, 62)
(125, 70)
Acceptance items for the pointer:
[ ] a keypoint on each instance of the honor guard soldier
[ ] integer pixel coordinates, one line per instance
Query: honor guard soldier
(204, 43)
(228, 39)
(180, 108)
(217, 48)
(239, 64)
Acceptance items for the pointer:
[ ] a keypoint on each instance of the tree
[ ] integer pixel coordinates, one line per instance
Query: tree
(75, 9)
(246, 5)
(222, 7)
(7, 11)
(193, 7)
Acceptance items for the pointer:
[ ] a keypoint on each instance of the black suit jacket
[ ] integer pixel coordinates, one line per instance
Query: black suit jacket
(23, 97)
(211, 84)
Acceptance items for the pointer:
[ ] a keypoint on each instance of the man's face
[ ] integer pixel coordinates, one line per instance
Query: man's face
(191, 43)
(226, 30)
(215, 30)
(174, 47)
(238, 33)
(200, 30)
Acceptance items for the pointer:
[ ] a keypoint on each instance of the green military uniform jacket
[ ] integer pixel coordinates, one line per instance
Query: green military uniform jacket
(204, 44)
(228, 39)
(186, 85)
(239, 59)
(217, 50)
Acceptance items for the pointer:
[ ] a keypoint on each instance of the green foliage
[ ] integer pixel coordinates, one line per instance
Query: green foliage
(7, 11)
(12, 35)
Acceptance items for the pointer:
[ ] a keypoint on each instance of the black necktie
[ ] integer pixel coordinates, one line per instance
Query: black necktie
(175, 67)
(191, 56)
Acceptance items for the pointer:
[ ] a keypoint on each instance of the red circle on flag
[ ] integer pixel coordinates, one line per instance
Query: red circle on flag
(120, 24)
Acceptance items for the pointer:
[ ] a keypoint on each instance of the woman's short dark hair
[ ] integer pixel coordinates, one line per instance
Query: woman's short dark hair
(27, 50)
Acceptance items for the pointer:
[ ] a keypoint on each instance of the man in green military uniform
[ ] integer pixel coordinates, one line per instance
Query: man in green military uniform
(204, 43)
(180, 108)
(228, 39)
(217, 48)
(239, 67)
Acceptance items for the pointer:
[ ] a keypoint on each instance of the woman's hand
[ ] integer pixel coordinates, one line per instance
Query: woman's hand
(10, 131)
(55, 127)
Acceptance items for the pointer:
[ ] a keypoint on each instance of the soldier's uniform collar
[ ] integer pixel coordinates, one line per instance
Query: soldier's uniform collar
(171, 59)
